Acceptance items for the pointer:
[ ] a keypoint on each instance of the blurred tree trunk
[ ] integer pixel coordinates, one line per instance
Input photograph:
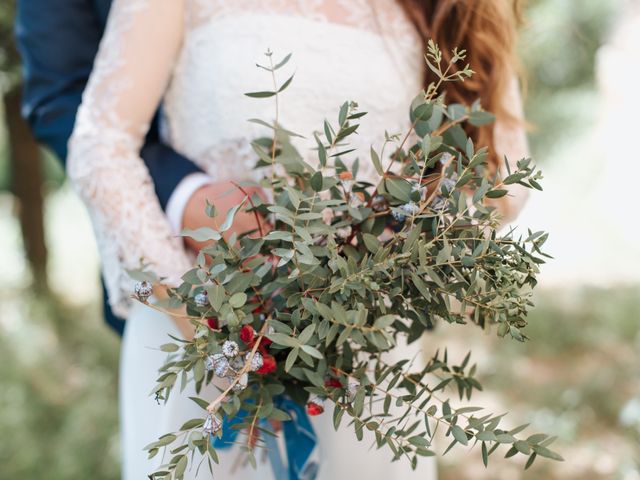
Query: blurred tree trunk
(27, 178)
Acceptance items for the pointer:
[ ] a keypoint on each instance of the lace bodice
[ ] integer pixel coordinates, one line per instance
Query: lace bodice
(198, 58)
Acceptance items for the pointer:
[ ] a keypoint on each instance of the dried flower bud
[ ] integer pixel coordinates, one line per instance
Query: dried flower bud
(143, 290)
(218, 363)
(410, 208)
(379, 203)
(241, 384)
(438, 203)
(418, 187)
(449, 184)
(230, 349)
(344, 232)
(398, 217)
(212, 425)
(445, 158)
(256, 361)
(352, 389)
(236, 364)
(201, 299)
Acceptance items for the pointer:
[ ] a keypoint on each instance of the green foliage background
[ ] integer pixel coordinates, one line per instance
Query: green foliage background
(58, 362)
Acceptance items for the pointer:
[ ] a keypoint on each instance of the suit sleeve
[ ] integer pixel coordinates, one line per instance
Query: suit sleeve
(58, 41)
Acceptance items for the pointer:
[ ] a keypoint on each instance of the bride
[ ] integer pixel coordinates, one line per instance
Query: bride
(197, 58)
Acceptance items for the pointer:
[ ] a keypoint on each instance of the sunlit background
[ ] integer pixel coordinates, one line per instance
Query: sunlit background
(579, 377)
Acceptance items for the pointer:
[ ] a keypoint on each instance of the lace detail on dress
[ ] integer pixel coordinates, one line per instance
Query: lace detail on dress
(359, 14)
(383, 17)
(104, 164)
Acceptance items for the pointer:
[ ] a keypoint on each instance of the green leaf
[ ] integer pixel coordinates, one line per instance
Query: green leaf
(480, 118)
(291, 358)
(398, 188)
(229, 219)
(423, 112)
(202, 234)
(191, 424)
(314, 352)
(282, 62)
(305, 336)
(545, 452)
(532, 458)
(285, 84)
(282, 339)
(210, 209)
(497, 193)
(181, 466)
(522, 447)
(169, 347)
(216, 295)
(486, 436)
(237, 300)
(459, 435)
(376, 162)
(384, 321)
(505, 438)
(260, 94)
(371, 242)
(316, 181)
(485, 454)
(201, 403)
(342, 114)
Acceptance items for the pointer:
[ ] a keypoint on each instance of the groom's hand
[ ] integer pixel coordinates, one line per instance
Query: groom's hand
(224, 195)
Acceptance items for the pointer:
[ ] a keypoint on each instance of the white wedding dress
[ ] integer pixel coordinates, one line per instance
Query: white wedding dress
(198, 58)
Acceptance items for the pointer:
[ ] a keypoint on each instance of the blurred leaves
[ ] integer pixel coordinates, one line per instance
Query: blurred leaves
(558, 47)
(583, 385)
(58, 402)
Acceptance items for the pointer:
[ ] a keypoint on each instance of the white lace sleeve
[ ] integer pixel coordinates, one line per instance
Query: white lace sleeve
(130, 75)
(511, 141)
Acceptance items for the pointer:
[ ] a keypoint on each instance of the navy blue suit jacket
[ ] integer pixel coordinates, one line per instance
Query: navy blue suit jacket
(58, 41)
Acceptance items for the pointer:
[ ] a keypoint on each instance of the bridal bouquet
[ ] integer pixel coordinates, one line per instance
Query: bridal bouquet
(305, 313)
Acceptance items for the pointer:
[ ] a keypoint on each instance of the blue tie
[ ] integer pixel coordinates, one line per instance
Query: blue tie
(299, 437)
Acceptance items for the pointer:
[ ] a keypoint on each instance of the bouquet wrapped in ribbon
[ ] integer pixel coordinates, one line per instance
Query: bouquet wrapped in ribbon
(298, 320)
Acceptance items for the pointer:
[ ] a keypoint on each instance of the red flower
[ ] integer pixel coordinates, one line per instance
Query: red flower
(265, 341)
(314, 409)
(212, 323)
(258, 309)
(246, 334)
(332, 382)
(268, 365)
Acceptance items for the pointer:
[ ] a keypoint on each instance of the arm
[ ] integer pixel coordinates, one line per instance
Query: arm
(511, 142)
(104, 164)
(58, 41)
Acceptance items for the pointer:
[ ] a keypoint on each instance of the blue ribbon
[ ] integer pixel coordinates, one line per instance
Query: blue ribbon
(299, 437)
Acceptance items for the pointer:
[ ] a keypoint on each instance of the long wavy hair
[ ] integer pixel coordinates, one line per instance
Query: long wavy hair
(486, 29)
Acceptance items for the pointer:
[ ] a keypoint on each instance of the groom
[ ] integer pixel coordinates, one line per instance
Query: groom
(58, 41)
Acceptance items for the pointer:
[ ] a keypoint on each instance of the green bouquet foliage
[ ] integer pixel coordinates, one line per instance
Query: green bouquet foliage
(310, 308)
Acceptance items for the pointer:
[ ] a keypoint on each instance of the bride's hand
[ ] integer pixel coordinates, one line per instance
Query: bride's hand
(224, 195)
